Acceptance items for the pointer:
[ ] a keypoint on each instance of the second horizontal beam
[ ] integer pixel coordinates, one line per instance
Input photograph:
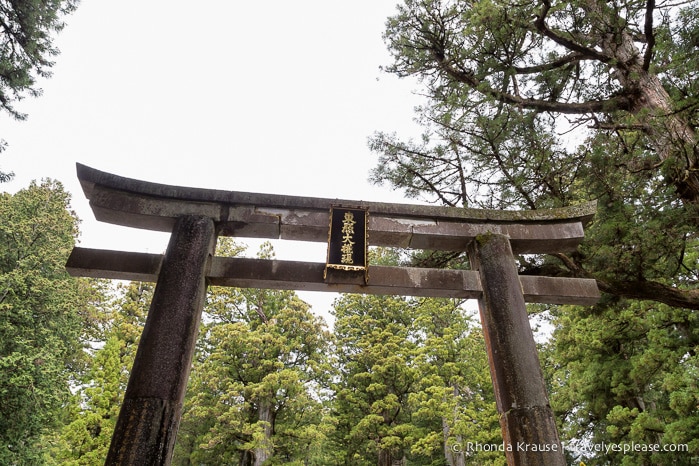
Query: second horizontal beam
(309, 276)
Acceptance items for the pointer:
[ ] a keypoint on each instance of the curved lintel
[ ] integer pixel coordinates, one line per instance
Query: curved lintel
(141, 204)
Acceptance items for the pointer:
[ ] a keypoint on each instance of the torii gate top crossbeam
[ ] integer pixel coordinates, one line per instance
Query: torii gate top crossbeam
(146, 205)
(140, 204)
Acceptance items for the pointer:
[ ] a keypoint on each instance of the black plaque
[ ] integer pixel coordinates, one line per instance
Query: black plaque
(347, 239)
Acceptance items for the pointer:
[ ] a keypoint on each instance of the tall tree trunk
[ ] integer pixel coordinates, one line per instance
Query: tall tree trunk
(245, 459)
(385, 458)
(453, 457)
(265, 450)
(673, 139)
(449, 453)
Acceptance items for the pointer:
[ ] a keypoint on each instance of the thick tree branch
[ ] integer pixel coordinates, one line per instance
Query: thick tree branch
(650, 36)
(618, 102)
(637, 289)
(652, 291)
(540, 24)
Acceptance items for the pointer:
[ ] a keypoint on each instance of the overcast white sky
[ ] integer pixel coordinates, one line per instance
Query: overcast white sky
(272, 96)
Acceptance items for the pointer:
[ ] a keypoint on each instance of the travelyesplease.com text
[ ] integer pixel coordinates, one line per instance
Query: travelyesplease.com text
(625, 448)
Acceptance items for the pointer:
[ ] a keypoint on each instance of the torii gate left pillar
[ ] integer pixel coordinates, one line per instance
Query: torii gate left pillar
(147, 424)
(150, 414)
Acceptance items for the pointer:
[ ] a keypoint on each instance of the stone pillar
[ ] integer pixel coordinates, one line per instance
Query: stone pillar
(147, 426)
(527, 421)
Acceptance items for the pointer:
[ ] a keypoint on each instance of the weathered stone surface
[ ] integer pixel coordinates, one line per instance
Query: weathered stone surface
(291, 275)
(300, 225)
(116, 265)
(152, 213)
(148, 420)
(245, 221)
(532, 437)
(520, 392)
(140, 204)
(90, 178)
(307, 276)
(559, 290)
(394, 232)
(145, 434)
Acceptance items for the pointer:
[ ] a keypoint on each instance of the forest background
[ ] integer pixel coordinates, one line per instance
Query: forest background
(526, 105)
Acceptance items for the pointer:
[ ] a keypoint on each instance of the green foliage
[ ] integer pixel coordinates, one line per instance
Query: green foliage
(376, 347)
(89, 423)
(405, 380)
(626, 372)
(542, 114)
(26, 49)
(26, 46)
(454, 401)
(4, 177)
(413, 383)
(255, 385)
(545, 104)
(41, 314)
(85, 440)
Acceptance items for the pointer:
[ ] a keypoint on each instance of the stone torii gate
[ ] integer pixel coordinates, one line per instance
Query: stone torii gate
(147, 424)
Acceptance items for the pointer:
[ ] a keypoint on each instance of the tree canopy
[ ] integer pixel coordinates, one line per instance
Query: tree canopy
(549, 103)
(42, 310)
(621, 66)
(27, 32)
(544, 104)
(27, 29)
(412, 385)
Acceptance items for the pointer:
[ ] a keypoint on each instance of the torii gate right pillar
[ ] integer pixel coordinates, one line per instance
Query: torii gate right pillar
(527, 421)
